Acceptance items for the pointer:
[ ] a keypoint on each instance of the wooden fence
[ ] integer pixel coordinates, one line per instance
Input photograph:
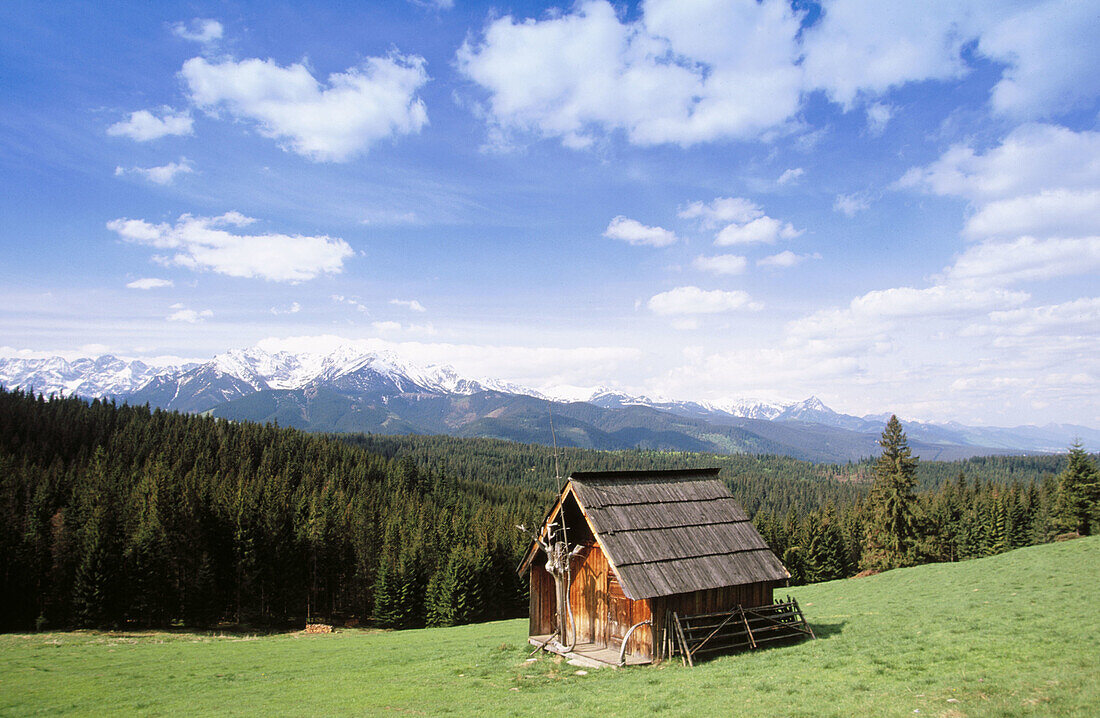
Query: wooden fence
(739, 629)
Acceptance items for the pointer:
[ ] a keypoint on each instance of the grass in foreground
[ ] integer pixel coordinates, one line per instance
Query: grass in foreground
(1015, 634)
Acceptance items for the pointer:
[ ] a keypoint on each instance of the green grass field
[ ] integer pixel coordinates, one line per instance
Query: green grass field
(1015, 634)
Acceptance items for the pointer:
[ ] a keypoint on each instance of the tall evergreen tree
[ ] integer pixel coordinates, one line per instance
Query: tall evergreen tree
(891, 532)
(1078, 492)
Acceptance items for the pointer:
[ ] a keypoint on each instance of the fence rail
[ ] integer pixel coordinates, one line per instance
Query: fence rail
(738, 629)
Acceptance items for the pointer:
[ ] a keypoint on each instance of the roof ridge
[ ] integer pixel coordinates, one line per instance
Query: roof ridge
(683, 474)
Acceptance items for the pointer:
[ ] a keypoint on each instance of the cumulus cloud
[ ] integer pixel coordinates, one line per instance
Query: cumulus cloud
(1035, 201)
(878, 116)
(188, 316)
(791, 176)
(1026, 259)
(722, 210)
(862, 47)
(682, 73)
(143, 125)
(1079, 317)
(294, 308)
(721, 264)
(1032, 158)
(634, 232)
(785, 259)
(693, 300)
(162, 175)
(201, 30)
(410, 304)
(766, 230)
(1049, 213)
(149, 283)
(1051, 54)
(851, 204)
(209, 244)
(691, 71)
(351, 302)
(331, 122)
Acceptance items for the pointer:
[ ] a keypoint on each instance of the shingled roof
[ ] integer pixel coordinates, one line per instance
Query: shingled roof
(668, 532)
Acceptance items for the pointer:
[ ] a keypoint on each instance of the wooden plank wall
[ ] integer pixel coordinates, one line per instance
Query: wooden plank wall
(708, 601)
(587, 595)
(542, 610)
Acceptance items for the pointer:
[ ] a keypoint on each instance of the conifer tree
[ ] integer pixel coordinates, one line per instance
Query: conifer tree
(891, 531)
(1078, 492)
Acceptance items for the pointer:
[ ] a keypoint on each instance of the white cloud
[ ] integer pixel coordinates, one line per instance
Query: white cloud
(690, 71)
(1052, 56)
(1026, 259)
(1032, 158)
(791, 176)
(693, 300)
(162, 175)
(149, 283)
(204, 244)
(336, 122)
(188, 316)
(722, 210)
(294, 308)
(851, 204)
(386, 327)
(784, 259)
(634, 232)
(143, 125)
(1035, 202)
(934, 301)
(1077, 317)
(682, 73)
(878, 116)
(1050, 213)
(351, 302)
(863, 47)
(721, 264)
(410, 304)
(201, 30)
(766, 230)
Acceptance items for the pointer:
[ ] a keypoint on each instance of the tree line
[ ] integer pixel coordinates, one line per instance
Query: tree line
(894, 525)
(115, 515)
(118, 515)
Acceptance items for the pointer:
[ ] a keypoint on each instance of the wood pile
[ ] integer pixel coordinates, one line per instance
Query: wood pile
(318, 628)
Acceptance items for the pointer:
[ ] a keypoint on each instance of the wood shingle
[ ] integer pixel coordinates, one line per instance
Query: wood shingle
(673, 532)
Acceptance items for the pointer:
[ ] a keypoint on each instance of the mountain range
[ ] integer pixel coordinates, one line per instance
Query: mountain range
(349, 390)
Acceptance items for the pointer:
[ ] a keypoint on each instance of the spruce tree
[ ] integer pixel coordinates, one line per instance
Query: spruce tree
(891, 531)
(1078, 492)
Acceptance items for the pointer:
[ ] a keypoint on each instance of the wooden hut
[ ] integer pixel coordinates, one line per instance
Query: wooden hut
(649, 545)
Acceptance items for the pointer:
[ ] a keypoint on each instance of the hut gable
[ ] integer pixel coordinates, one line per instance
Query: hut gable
(671, 532)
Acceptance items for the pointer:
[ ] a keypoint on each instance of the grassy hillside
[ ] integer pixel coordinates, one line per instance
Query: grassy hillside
(1015, 634)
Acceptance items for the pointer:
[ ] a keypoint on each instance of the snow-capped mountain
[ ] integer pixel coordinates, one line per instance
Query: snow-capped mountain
(104, 376)
(357, 387)
(346, 370)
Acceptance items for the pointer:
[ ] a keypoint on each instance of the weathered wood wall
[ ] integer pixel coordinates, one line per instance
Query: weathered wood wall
(590, 599)
(708, 601)
(594, 593)
(586, 594)
(542, 608)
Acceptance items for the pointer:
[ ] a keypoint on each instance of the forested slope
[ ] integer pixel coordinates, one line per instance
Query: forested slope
(117, 514)
(111, 514)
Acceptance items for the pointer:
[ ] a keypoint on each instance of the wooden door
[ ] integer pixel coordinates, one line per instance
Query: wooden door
(618, 612)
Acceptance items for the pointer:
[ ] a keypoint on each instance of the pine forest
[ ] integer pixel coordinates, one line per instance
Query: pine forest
(118, 515)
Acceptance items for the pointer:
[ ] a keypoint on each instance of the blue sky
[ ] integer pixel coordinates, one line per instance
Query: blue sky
(896, 208)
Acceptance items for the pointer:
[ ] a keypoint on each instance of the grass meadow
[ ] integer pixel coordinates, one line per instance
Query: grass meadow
(1014, 634)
